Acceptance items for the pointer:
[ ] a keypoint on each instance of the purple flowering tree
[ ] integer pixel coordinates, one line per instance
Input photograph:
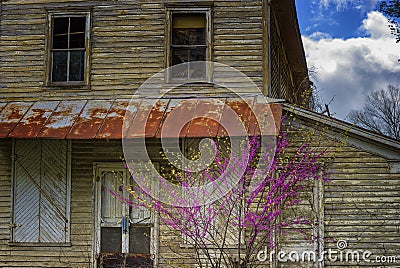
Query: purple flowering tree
(230, 231)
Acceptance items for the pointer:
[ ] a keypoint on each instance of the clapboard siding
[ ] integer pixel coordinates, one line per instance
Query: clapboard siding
(361, 200)
(5, 193)
(361, 204)
(127, 43)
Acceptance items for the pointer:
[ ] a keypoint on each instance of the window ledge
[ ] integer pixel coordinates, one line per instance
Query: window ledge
(65, 86)
(174, 86)
(32, 244)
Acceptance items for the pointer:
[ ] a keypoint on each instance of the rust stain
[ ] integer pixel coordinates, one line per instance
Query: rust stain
(177, 118)
(277, 114)
(148, 119)
(235, 117)
(90, 120)
(167, 118)
(34, 119)
(62, 119)
(263, 120)
(113, 124)
(10, 115)
(206, 118)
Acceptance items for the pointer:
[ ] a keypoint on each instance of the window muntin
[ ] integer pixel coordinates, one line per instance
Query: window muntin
(188, 43)
(68, 49)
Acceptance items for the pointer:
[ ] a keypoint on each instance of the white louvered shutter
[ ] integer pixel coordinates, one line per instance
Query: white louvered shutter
(26, 194)
(41, 191)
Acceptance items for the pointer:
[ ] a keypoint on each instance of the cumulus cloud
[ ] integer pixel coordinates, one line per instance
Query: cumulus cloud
(349, 69)
(376, 24)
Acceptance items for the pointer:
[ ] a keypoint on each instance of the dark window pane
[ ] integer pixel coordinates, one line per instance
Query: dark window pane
(189, 36)
(111, 240)
(198, 70)
(198, 54)
(179, 55)
(180, 72)
(59, 68)
(77, 25)
(77, 40)
(60, 33)
(60, 41)
(76, 66)
(139, 240)
(60, 26)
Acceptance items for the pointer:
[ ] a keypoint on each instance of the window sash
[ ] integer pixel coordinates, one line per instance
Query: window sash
(170, 77)
(74, 68)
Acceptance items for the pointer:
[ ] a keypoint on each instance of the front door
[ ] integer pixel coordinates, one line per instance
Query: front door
(125, 230)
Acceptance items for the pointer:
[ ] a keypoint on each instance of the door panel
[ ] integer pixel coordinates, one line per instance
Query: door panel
(139, 240)
(111, 205)
(111, 239)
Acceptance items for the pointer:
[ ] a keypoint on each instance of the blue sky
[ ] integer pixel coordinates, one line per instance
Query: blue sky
(340, 19)
(349, 45)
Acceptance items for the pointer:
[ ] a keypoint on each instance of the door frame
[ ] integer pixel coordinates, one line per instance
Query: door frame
(154, 229)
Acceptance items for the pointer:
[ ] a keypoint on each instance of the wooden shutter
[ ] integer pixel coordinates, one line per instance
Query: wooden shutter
(26, 194)
(41, 199)
(53, 210)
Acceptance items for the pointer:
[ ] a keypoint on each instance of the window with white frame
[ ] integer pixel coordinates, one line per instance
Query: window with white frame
(68, 49)
(189, 41)
(41, 193)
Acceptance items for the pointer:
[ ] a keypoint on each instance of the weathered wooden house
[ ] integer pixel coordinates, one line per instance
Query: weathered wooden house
(68, 71)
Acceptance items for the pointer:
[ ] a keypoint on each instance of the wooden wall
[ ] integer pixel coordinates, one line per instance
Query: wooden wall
(78, 252)
(127, 44)
(360, 205)
(360, 201)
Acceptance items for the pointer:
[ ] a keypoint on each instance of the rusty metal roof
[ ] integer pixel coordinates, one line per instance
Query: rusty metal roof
(104, 119)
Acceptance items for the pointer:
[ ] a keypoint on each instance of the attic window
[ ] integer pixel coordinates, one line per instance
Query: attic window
(188, 44)
(68, 49)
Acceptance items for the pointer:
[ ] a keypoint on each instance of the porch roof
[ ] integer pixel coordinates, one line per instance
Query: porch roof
(104, 118)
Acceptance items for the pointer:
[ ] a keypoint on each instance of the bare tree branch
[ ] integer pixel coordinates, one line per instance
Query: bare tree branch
(381, 112)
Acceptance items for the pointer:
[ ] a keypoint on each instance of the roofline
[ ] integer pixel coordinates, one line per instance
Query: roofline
(353, 130)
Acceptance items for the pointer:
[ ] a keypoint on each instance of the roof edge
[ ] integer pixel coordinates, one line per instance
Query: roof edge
(366, 135)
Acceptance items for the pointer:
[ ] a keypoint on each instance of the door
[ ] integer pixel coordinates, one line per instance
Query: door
(125, 228)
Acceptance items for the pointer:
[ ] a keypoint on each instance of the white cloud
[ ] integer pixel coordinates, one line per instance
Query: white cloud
(349, 69)
(342, 4)
(323, 10)
(376, 24)
(319, 36)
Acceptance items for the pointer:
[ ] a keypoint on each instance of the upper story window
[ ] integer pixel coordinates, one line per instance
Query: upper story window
(68, 49)
(189, 41)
